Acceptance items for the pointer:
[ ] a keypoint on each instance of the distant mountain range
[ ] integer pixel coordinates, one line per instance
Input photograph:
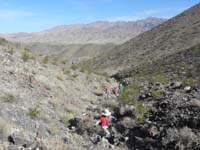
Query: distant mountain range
(177, 34)
(101, 32)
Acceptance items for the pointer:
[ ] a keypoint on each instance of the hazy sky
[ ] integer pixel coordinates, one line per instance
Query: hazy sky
(37, 15)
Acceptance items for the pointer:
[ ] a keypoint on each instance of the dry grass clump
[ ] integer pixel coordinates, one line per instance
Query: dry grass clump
(26, 55)
(8, 98)
(60, 77)
(5, 129)
(73, 141)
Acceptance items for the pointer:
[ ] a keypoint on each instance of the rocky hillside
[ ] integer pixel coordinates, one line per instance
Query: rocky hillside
(48, 106)
(38, 99)
(68, 53)
(97, 32)
(159, 107)
(176, 34)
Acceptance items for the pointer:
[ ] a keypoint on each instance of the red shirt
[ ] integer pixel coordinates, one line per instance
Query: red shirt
(104, 121)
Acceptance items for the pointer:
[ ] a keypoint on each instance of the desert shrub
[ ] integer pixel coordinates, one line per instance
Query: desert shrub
(3, 41)
(11, 51)
(186, 139)
(65, 117)
(198, 60)
(75, 75)
(45, 60)
(129, 92)
(54, 143)
(8, 98)
(55, 102)
(66, 71)
(4, 129)
(54, 129)
(89, 70)
(26, 55)
(34, 112)
(157, 93)
(74, 67)
(76, 139)
(86, 69)
(126, 96)
(55, 61)
(189, 82)
(160, 78)
(142, 110)
(60, 77)
(110, 104)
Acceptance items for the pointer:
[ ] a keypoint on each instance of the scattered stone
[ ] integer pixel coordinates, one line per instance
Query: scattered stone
(187, 89)
(176, 85)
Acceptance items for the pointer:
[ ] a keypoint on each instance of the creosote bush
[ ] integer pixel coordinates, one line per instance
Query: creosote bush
(129, 93)
(157, 93)
(160, 78)
(4, 129)
(65, 117)
(142, 110)
(60, 77)
(8, 98)
(66, 71)
(55, 61)
(3, 41)
(26, 55)
(74, 67)
(11, 51)
(189, 82)
(34, 112)
(45, 60)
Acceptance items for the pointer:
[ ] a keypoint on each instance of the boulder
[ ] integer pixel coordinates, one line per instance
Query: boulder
(154, 131)
(176, 85)
(20, 139)
(187, 89)
(195, 103)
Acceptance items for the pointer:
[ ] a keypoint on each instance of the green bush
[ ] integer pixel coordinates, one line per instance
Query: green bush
(198, 60)
(65, 117)
(66, 71)
(45, 60)
(74, 67)
(142, 110)
(8, 98)
(26, 55)
(55, 61)
(157, 93)
(129, 93)
(3, 41)
(86, 69)
(190, 82)
(160, 78)
(34, 112)
(60, 77)
(11, 51)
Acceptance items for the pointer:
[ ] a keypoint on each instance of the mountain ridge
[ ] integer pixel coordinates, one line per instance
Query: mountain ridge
(100, 32)
(176, 34)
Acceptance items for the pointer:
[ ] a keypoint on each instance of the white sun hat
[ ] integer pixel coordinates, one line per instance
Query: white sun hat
(107, 112)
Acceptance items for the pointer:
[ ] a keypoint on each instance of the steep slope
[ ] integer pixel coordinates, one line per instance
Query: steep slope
(97, 32)
(176, 34)
(68, 53)
(37, 100)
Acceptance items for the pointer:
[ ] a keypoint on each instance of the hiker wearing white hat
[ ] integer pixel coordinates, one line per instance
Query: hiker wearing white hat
(104, 121)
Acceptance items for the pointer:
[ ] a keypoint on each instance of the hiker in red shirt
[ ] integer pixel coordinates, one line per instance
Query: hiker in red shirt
(104, 120)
